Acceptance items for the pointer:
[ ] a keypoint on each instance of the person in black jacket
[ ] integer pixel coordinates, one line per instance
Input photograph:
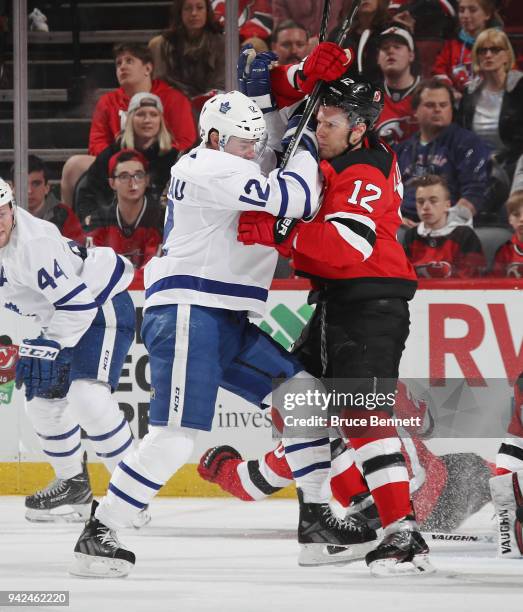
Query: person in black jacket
(144, 131)
(492, 107)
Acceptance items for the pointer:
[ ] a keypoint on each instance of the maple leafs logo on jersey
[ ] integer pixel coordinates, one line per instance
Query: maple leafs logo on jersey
(225, 107)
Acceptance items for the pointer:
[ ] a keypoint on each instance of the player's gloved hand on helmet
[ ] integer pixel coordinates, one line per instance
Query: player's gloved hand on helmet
(308, 138)
(44, 368)
(327, 62)
(254, 79)
(261, 228)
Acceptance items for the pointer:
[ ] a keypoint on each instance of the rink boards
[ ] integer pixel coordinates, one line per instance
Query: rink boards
(457, 330)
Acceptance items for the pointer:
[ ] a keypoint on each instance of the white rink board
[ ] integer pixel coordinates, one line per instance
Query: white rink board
(490, 321)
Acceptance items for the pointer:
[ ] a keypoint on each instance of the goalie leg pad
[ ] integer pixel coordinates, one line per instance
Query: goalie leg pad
(507, 496)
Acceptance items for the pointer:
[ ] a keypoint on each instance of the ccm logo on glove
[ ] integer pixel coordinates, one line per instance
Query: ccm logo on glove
(38, 352)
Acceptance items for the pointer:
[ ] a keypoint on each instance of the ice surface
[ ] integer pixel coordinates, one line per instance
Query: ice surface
(227, 555)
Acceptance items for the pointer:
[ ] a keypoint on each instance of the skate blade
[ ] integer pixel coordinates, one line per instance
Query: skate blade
(143, 519)
(89, 566)
(78, 513)
(419, 565)
(312, 555)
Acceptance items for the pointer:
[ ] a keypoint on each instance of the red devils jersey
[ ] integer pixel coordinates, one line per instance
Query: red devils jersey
(457, 254)
(509, 259)
(138, 243)
(352, 240)
(396, 121)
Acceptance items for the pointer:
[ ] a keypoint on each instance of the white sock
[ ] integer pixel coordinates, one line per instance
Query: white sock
(140, 476)
(58, 434)
(98, 413)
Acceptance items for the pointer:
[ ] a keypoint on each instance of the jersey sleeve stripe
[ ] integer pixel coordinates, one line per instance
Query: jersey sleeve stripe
(77, 307)
(117, 274)
(284, 195)
(70, 295)
(355, 216)
(301, 181)
(354, 239)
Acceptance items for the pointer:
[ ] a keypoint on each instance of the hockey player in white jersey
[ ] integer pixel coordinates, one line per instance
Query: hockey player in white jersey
(198, 334)
(79, 299)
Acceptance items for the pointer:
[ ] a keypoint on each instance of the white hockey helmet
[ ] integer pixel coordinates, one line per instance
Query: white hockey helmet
(6, 193)
(232, 114)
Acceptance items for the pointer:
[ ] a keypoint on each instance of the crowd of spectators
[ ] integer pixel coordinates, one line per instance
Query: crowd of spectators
(453, 113)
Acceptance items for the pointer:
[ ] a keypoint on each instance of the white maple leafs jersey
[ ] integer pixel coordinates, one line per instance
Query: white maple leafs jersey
(51, 278)
(204, 263)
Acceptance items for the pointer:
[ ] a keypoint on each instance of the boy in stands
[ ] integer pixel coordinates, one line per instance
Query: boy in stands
(443, 245)
(509, 257)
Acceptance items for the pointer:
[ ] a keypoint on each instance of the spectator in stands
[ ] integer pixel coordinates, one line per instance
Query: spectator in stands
(254, 20)
(191, 53)
(509, 257)
(370, 20)
(396, 59)
(428, 19)
(133, 70)
(444, 148)
(145, 131)
(42, 203)
(290, 41)
(308, 13)
(492, 106)
(442, 245)
(132, 226)
(454, 62)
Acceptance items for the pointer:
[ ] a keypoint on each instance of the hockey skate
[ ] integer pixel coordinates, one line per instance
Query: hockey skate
(63, 500)
(507, 496)
(325, 539)
(402, 551)
(98, 553)
(362, 508)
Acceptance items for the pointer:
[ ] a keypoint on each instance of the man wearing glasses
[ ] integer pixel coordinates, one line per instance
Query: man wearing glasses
(131, 225)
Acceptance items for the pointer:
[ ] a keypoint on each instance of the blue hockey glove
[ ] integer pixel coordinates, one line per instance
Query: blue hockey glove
(254, 79)
(44, 367)
(308, 140)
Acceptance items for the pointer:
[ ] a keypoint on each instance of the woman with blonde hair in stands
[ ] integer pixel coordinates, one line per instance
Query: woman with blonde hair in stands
(454, 62)
(492, 106)
(145, 131)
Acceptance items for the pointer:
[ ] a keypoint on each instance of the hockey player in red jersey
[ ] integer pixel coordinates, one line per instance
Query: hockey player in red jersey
(362, 283)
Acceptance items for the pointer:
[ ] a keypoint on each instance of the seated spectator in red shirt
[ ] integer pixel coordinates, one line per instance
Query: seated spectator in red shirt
(134, 67)
(396, 57)
(454, 62)
(443, 245)
(509, 257)
(42, 203)
(131, 225)
(191, 53)
(145, 131)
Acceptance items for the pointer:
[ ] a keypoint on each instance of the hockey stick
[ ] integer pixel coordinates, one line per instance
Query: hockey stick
(324, 20)
(285, 224)
(313, 98)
